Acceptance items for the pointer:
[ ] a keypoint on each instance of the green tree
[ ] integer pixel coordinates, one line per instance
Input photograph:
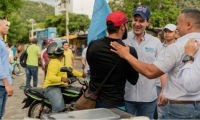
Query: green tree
(162, 11)
(36, 10)
(18, 29)
(77, 23)
(182, 4)
(9, 6)
(18, 12)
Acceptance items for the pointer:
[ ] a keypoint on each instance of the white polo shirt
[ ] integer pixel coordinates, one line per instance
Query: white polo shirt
(147, 50)
(163, 48)
(189, 76)
(171, 62)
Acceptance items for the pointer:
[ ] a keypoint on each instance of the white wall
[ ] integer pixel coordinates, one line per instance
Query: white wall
(75, 6)
(83, 7)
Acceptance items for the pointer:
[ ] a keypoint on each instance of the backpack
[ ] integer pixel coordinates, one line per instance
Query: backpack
(23, 58)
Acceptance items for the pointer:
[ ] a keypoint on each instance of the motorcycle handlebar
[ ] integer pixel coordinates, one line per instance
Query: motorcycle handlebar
(82, 82)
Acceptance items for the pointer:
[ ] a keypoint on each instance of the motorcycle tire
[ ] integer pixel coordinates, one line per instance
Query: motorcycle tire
(35, 107)
(18, 70)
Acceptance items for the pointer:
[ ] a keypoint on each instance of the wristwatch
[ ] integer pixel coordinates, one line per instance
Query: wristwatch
(187, 58)
(83, 66)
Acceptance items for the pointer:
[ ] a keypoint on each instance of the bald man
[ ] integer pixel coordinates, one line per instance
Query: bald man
(6, 89)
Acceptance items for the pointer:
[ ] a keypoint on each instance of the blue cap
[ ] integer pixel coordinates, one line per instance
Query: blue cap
(143, 11)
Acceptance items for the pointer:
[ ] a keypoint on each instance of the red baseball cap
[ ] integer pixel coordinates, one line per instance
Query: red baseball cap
(118, 18)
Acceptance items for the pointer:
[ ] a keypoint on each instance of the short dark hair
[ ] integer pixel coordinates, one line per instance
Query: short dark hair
(111, 28)
(193, 14)
(2, 18)
(34, 41)
(64, 42)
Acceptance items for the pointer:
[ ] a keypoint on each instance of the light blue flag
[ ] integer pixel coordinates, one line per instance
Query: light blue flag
(97, 27)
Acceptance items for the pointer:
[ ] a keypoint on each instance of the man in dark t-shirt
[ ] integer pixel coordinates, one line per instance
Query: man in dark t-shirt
(101, 60)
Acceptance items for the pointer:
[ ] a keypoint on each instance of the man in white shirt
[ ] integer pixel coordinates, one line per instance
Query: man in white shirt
(182, 104)
(188, 76)
(169, 33)
(141, 99)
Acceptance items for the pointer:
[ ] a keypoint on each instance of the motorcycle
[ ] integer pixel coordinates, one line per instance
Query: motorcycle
(39, 105)
(17, 69)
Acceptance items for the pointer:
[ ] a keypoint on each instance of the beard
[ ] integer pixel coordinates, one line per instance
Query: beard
(125, 35)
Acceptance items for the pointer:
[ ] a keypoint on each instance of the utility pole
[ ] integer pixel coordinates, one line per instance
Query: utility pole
(32, 28)
(31, 21)
(67, 21)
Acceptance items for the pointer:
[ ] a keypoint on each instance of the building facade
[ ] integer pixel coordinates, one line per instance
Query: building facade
(74, 6)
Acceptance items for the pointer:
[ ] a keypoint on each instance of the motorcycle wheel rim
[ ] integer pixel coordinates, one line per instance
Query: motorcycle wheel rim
(36, 109)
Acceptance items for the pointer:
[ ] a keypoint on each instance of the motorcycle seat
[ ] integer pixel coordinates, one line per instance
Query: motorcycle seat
(36, 91)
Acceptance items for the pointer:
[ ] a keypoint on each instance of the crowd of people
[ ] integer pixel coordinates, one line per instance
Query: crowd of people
(150, 78)
(179, 103)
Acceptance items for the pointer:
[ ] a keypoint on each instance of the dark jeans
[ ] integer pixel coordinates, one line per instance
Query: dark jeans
(31, 71)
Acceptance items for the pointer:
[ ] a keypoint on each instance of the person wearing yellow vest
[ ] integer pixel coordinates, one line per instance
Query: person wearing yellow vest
(55, 78)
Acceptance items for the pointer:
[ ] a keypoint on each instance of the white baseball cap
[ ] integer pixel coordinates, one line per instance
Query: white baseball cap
(171, 27)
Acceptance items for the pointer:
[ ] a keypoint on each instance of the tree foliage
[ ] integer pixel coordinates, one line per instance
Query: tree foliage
(77, 23)
(18, 12)
(36, 10)
(9, 6)
(182, 4)
(162, 11)
(18, 30)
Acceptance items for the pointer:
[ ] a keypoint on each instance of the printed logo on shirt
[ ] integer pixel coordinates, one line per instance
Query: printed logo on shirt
(147, 49)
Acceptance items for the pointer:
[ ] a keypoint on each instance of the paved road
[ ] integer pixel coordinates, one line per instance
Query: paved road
(14, 106)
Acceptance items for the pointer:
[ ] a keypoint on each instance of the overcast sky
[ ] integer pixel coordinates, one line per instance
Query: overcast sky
(50, 2)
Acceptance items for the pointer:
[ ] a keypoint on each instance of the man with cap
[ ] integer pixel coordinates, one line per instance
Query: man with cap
(141, 99)
(101, 60)
(169, 33)
(32, 63)
(182, 104)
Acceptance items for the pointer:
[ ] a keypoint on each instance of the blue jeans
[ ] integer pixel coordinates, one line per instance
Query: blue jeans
(31, 71)
(100, 104)
(160, 109)
(182, 111)
(54, 95)
(88, 72)
(3, 99)
(141, 108)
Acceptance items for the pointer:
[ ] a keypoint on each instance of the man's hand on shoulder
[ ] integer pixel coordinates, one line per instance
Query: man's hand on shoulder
(191, 47)
(122, 51)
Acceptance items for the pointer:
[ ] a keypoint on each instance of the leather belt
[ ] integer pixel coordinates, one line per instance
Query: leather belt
(183, 102)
